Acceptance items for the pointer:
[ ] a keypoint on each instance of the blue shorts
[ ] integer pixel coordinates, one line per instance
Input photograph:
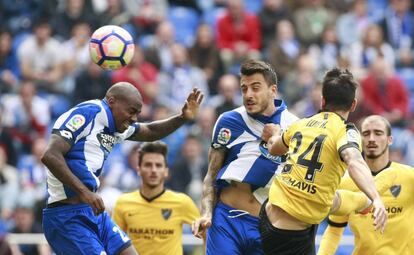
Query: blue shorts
(233, 233)
(74, 229)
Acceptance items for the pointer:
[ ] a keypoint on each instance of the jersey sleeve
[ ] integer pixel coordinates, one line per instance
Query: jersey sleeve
(227, 129)
(117, 216)
(287, 134)
(76, 123)
(189, 210)
(348, 137)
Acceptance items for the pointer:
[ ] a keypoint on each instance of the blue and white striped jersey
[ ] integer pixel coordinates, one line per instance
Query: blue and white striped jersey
(248, 159)
(90, 128)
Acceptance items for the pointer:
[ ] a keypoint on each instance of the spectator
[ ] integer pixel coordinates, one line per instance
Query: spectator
(6, 141)
(74, 12)
(238, 34)
(271, 13)
(18, 16)
(205, 55)
(398, 28)
(309, 105)
(311, 19)
(301, 80)
(32, 178)
(356, 18)
(203, 128)
(284, 49)
(122, 172)
(363, 53)
(386, 93)
(40, 58)
(25, 223)
(188, 172)
(229, 96)
(75, 55)
(9, 187)
(140, 73)
(91, 83)
(26, 115)
(9, 65)
(115, 13)
(176, 82)
(327, 51)
(158, 49)
(146, 15)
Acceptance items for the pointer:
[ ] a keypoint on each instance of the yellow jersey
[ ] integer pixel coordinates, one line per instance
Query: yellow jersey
(398, 198)
(306, 186)
(155, 227)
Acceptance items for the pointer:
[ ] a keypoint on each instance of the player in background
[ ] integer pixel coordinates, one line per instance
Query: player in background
(319, 148)
(398, 180)
(240, 166)
(74, 221)
(153, 217)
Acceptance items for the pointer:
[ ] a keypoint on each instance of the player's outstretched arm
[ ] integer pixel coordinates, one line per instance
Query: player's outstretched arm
(159, 129)
(361, 175)
(216, 159)
(54, 160)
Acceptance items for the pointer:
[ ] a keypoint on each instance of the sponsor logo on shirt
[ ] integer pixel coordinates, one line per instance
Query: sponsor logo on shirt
(265, 153)
(106, 141)
(76, 122)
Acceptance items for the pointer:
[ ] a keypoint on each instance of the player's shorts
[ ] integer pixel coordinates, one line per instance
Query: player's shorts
(233, 232)
(285, 242)
(74, 229)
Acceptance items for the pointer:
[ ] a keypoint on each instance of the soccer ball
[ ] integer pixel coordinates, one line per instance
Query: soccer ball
(111, 47)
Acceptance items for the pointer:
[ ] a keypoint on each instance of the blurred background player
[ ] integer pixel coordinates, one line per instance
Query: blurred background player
(240, 165)
(80, 142)
(398, 200)
(319, 148)
(153, 216)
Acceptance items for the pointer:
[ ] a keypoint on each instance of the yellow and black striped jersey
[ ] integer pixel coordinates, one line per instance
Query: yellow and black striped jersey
(396, 187)
(155, 226)
(306, 187)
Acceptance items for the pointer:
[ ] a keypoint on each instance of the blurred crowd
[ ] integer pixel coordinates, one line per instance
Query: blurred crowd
(45, 69)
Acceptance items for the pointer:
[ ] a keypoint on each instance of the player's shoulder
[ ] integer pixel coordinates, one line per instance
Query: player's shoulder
(402, 169)
(127, 197)
(179, 197)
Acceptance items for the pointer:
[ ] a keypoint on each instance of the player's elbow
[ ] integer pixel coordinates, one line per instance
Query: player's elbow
(47, 157)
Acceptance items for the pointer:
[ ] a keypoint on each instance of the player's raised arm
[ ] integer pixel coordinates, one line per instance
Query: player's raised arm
(54, 160)
(158, 129)
(216, 159)
(361, 175)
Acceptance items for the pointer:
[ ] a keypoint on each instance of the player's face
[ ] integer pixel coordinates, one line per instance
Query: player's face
(125, 112)
(375, 140)
(258, 96)
(153, 170)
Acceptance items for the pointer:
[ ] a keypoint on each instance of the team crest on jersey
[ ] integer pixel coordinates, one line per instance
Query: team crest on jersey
(76, 122)
(265, 152)
(395, 190)
(166, 213)
(224, 136)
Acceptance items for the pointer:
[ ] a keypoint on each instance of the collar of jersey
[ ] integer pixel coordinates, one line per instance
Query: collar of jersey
(275, 117)
(111, 121)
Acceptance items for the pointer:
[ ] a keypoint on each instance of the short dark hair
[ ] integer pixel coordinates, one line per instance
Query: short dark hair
(153, 147)
(338, 90)
(250, 67)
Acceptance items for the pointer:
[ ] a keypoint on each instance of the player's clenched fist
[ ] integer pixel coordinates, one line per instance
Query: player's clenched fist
(270, 130)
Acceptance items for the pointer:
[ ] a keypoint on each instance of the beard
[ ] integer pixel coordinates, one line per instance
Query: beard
(374, 156)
